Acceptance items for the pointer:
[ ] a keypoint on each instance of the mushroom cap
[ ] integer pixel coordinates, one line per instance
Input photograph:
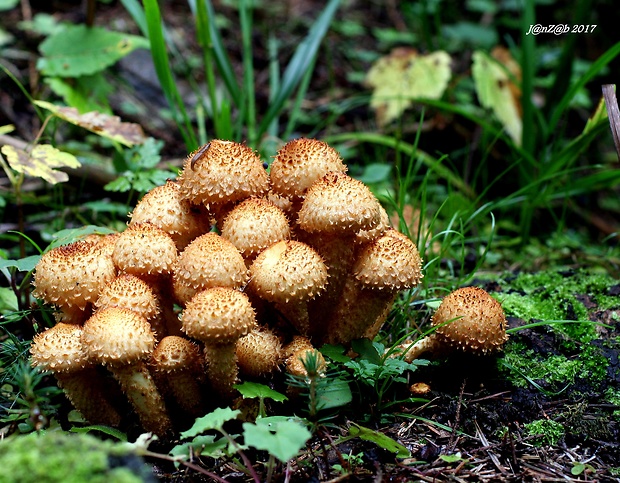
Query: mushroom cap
(208, 261)
(339, 204)
(222, 171)
(288, 270)
(144, 250)
(117, 336)
(296, 352)
(73, 275)
(254, 224)
(218, 316)
(299, 163)
(391, 262)
(164, 208)
(130, 292)
(59, 349)
(258, 352)
(175, 353)
(471, 320)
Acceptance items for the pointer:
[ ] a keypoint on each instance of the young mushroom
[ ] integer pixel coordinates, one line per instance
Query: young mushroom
(122, 341)
(71, 278)
(177, 366)
(259, 352)
(289, 274)
(219, 317)
(59, 350)
(469, 320)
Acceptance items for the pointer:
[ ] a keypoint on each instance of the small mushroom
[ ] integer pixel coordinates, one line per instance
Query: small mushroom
(296, 354)
(218, 317)
(59, 350)
(299, 163)
(222, 172)
(122, 341)
(253, 225)
(289, 274)
(259, 352)
(164, 208)
(208, 261)
(71, 277)
(469, 320)
(177, 365)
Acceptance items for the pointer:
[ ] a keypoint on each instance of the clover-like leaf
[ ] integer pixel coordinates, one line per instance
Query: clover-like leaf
(110, 127)
(40, 161)
(251, 390)
(214, 420)
(404, 75)
(495, 79)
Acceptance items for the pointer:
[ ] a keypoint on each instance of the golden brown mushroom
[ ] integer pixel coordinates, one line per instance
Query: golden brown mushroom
(218, 317)
(122, 341)
(469, 320)
(60, 351)
(259, 352)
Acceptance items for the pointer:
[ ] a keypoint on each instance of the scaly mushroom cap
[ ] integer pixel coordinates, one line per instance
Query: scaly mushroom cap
(259, 352)
(164, 208)
(288, 270)
(301, 162)
(222, 171)
(73, 275)
(130, 292)
(117, 336)
(471, 320)
(59, 349)
(391, 262)
(144, 250)
(296, 353)
(339, 204)
(209, 261)
(174, 353)
(254, 224)
(218, 316)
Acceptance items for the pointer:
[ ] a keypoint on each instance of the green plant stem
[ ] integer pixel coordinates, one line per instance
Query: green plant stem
(203, 31)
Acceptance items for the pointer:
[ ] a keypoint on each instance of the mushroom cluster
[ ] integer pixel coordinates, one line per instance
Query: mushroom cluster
(229, 272)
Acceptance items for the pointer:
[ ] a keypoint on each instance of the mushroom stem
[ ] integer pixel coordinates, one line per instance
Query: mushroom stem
(412, 351)
(140, 389)
(222, 368)
(85, 388)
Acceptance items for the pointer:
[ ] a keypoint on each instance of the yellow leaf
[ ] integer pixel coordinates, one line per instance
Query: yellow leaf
(40, 161)
(111, 127)
(495, 78)
(403, 76)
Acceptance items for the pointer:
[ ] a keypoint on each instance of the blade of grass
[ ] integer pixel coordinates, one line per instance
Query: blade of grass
(409, 150)
(245, 18)
(528, 56)
(164, 72)
(299, 64)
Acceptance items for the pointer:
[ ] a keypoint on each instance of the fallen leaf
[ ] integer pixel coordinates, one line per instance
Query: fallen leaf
(110, 127)
(403, 76)
(40, 161)
(495, 78)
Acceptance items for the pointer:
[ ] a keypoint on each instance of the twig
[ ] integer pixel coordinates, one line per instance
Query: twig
(613, 113)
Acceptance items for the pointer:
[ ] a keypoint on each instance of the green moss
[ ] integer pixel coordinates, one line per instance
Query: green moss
(612, 396)
(55, 456)
(546, 431)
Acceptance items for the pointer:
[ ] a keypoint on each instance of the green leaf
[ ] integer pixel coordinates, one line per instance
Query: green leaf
(205, 445)
(452, 458)
(495, 91)
(335, 353)
(121, 184)
(334, 395)
(251, 390)
(8, 4)
(40, 161)
(8, 300)
(367, 351)
(375, 173)
(577, 469)
(86, 93)
(115, 433)
(281, 438)
(23, 264)
(79, 50)
(380, 440)
(213, 420)
(104, 125)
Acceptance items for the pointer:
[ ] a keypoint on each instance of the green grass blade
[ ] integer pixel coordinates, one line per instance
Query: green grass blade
(528, 56)
(409, 150)
(594, 69)
(134, 8)
(245, 19)
(164, 72)
(299, 64)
